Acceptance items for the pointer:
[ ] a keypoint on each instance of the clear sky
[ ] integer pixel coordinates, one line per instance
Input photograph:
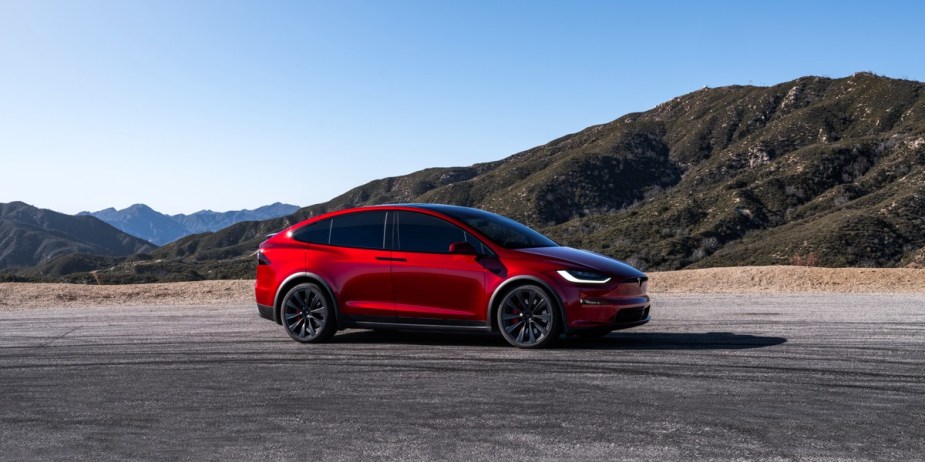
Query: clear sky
(189, 105)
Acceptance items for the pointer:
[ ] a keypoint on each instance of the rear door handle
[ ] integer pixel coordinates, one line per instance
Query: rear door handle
(390, 259)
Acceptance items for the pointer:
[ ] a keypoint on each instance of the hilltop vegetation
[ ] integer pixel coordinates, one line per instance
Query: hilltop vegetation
(816, 171)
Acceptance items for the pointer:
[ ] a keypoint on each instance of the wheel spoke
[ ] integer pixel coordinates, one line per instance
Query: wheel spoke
(316, 318)
(293, 316)
(525, 300)
(295, 325)
(508, 317)
(511, 328)
(520, 335)
(530, 331)
(542, 329)
(311, 328)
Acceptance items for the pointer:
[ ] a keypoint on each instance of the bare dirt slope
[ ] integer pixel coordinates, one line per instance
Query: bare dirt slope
(738, 280)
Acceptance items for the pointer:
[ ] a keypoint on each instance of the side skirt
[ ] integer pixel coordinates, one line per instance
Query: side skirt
(384, 322)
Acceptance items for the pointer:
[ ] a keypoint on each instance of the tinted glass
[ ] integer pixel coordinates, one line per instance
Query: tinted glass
(424, 233)
(364, 229)
(500, 230)
(482, 249)
(316, 233)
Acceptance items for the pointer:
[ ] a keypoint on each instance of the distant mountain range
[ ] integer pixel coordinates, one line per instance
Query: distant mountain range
(815, 171)
(158, 228)
(30, 236)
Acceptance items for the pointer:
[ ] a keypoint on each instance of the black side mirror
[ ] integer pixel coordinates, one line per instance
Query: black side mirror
(462, 248)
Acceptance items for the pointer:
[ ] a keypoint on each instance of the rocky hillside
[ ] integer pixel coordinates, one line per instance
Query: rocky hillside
(31, 236)
(816, 171)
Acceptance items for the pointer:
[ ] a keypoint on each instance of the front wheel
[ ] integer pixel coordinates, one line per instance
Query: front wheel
(307, 314)
(527, 317)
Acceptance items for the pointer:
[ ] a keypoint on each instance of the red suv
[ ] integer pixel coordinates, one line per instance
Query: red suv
(440, 267)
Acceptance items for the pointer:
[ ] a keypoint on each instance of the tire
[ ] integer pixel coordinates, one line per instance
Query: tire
(528, 317)
(307, 314)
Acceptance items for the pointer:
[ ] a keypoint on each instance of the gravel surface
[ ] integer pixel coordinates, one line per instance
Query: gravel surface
(772, 377)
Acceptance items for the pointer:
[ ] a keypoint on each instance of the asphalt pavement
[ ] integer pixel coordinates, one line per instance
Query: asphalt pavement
(711, 377)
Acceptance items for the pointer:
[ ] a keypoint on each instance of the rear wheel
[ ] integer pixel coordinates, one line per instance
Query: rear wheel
(307, 314)
(527, 317)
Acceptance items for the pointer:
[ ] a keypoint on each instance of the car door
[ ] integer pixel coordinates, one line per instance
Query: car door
(356, 261)
(430, 284)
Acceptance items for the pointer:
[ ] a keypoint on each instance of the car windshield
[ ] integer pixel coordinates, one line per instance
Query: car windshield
(500, 230)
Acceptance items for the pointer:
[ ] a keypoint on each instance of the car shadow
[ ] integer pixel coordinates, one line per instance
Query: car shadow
(673, 341)
(613, 341)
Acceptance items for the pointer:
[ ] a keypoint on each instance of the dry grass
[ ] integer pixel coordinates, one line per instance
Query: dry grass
(744, 280)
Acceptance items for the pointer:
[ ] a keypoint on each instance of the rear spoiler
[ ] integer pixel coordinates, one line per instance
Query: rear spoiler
(268, 237)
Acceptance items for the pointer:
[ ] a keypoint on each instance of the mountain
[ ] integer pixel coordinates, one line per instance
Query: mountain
(144, 222)
(815, 171)
(30, 236)
(207, 220)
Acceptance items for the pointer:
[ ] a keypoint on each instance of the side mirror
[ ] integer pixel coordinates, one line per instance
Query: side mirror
(462, 248)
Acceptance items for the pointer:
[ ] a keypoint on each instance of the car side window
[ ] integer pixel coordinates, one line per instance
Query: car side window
(363, 229)
(315, 233)
(418, 232)
(479, 247)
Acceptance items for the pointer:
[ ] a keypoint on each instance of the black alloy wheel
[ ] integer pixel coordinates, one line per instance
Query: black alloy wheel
(307, 314)
(527, 317)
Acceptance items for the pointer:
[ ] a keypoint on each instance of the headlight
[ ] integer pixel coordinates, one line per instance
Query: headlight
(583, 277)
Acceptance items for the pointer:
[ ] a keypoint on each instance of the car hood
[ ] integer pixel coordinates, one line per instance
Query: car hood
(586, 259)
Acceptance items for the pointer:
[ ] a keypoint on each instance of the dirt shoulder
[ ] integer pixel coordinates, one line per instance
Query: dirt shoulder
(47, 295)
(788, 279)
(739, 280)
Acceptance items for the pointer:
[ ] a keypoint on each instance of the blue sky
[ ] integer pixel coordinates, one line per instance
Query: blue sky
(190, 105)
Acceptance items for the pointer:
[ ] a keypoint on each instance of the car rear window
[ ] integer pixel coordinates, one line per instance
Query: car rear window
(363, 229)
(315, 233)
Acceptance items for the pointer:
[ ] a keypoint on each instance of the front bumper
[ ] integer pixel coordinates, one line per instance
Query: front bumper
(631, 317)
(610, 316)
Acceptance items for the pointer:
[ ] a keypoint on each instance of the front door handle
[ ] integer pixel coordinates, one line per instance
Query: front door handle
(390, 259)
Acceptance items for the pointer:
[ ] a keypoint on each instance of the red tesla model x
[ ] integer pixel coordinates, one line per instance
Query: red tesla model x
(440, 267)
